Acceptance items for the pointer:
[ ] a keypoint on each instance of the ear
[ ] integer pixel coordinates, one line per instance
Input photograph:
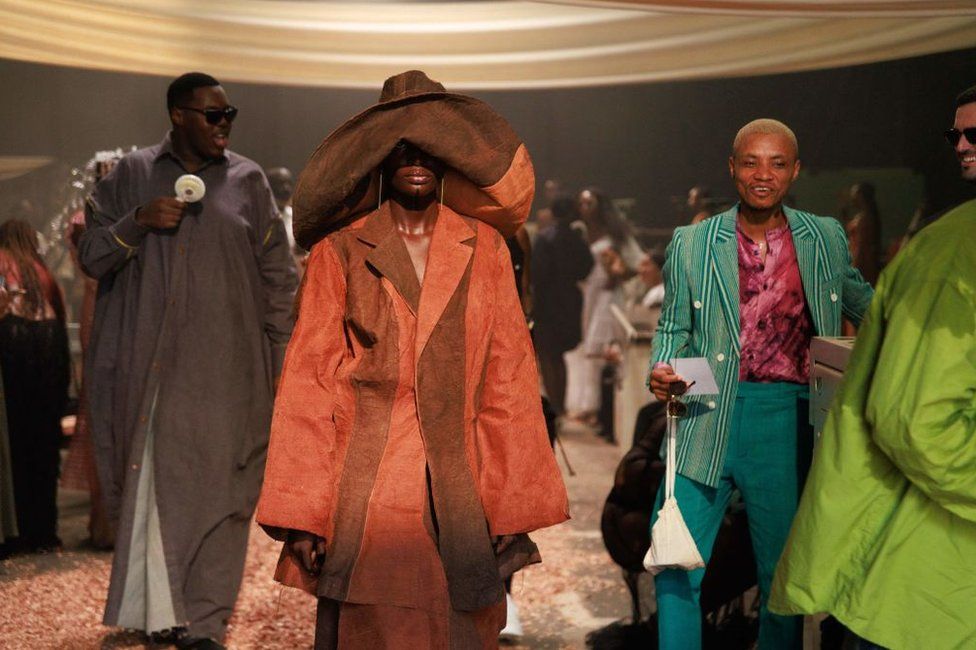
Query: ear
(732, 166)
(796, 169)
(176, 116)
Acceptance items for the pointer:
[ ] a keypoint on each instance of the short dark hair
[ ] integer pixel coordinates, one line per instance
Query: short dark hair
(181, 89)
(563, 208)
(967, 96)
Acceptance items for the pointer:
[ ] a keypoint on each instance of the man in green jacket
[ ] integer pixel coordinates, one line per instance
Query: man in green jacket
(885, 535)
(747, 289)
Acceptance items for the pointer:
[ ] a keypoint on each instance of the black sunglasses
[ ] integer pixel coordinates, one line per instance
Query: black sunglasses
(952, 135)
(676, 389)
(214, 115)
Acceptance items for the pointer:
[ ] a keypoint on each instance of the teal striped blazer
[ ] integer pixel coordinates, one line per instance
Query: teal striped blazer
(700, 316)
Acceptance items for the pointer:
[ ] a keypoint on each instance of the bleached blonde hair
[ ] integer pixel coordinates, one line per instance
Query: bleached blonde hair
(766, 126)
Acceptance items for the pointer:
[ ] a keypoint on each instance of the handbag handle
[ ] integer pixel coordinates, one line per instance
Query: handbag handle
(671, 461)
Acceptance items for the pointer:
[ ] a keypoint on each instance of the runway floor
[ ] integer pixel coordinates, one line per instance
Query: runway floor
(55, 600)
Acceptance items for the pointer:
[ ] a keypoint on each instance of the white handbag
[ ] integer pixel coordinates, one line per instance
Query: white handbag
(672, 546)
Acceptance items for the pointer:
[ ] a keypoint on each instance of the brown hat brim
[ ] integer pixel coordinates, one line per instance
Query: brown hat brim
(490, 177)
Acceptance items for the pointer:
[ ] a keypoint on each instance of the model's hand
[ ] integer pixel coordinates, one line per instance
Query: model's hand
(661, 376)
(162, 213)
(308, 548)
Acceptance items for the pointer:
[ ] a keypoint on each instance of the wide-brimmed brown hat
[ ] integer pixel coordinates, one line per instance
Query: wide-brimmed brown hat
(490, 175)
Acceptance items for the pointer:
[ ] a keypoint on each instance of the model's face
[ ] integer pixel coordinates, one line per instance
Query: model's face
(966, 150)
(763, 168)
(413, 172)
(208, 141)
(587, 203)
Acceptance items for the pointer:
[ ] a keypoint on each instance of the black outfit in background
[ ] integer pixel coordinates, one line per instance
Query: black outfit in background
(560, 261)
(36, 372)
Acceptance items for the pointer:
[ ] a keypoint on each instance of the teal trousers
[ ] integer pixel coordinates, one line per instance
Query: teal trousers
(770, 444)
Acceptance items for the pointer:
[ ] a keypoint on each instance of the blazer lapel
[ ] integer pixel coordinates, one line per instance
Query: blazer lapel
(724, 264)
(808, 258)
(390, 256)
(447, 259)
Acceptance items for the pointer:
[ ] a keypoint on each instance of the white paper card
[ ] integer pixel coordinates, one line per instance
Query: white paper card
(696, 369)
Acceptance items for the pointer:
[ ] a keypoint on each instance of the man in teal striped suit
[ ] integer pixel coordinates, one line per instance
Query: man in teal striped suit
(747, 289)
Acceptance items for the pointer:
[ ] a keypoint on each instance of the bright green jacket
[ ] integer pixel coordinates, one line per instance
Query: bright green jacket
(700, 316)
(885, 536)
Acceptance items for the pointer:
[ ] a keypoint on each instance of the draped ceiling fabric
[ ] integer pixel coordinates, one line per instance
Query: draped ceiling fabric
(820, 8)
(478, 45)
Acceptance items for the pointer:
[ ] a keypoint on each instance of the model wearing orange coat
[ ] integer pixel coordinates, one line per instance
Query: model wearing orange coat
(407, 428)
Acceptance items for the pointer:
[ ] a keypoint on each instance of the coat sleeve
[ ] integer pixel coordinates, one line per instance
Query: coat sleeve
(112, 237)
(521, 486)
(278, 275)
(301, 471)
(674, 326)
(921, 406)
(856, 292)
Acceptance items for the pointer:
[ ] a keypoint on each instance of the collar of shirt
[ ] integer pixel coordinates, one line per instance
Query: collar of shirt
(166, 151)
(773, 234)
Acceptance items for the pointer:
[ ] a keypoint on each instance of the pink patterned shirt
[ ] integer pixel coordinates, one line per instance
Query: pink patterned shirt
(775, 324)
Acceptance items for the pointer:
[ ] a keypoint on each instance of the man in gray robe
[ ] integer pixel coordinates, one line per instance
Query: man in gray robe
(192, 318)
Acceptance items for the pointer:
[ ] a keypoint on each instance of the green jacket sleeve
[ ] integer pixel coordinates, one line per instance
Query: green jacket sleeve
(922, 402)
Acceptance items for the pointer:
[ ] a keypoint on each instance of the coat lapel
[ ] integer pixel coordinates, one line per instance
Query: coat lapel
(390, 256)
(447, 260)
(724, 264)
(807, 245)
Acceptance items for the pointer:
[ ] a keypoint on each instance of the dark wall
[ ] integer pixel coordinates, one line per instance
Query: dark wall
(650, 141)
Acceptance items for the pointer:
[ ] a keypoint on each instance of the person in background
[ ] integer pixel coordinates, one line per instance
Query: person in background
(193, 314)
(644, 293)
(8, 509)
(562, 261)
(616, 255)
(747, 290)
(699, 203)
(282, 184)
(551, 188)
(79, 470)
(885, 535)
(863, 229)
(520, 250)
(36, 365)
(647, 287)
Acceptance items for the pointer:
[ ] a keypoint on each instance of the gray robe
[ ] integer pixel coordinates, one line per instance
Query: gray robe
(190, 330)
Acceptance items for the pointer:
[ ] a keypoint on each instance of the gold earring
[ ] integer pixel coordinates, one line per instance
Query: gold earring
(379, 195)
(442, 191)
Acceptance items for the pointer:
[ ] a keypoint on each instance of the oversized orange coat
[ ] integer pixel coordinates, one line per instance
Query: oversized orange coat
(381, 370)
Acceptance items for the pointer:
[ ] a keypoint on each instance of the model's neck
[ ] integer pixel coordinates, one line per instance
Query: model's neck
(192, 161)
(757, 222)
(414, 215)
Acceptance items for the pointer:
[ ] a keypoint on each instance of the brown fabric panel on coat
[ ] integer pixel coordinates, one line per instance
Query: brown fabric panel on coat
(370, 317)
(464, 544)
(390, 257)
